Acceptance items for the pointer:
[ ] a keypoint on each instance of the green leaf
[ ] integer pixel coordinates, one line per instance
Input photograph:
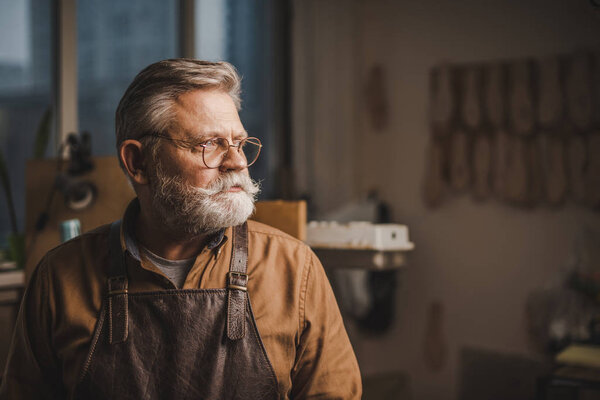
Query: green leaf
(5, 181)
(16, 248)
(42, 136)
(4, 174)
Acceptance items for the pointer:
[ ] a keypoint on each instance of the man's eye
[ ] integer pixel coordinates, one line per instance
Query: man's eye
(210, 144)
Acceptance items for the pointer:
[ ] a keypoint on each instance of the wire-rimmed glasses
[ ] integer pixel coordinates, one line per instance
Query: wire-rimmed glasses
(214, 151)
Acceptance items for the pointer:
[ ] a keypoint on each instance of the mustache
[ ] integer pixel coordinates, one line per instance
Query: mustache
(228, 180)
(190, 209)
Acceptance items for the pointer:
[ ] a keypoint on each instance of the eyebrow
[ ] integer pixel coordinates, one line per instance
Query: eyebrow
(199, 138)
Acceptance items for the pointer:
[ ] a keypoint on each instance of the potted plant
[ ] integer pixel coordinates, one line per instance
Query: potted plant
(16, 239)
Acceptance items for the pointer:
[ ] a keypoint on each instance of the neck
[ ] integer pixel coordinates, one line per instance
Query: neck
(161, 240)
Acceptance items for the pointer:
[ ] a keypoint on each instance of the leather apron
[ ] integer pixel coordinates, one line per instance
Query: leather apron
(177, 344)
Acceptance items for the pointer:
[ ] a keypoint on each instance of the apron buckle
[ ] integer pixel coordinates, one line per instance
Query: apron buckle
(237, 280)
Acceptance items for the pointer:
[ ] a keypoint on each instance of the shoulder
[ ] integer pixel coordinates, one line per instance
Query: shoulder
(282, 253)
(71, 277)
(272, 239)
(270, 246)
(267, 231)
(81, 258)
(87, 244)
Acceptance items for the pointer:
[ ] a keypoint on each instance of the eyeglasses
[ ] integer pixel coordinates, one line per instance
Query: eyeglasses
(215, 150)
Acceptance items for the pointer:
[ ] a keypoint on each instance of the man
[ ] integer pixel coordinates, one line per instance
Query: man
(184, 299)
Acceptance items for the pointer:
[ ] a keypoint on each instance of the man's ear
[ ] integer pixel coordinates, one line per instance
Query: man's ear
(133, 159)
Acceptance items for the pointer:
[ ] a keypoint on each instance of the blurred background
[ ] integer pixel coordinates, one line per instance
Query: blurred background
(474, 123)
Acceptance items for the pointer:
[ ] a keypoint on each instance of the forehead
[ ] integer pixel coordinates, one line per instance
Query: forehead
(204, 112)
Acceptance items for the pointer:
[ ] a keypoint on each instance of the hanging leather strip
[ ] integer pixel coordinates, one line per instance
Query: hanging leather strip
(237, 284)
(117, 288)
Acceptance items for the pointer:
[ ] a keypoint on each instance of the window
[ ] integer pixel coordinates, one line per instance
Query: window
(26, 92)
(249, 35)
(117, 39)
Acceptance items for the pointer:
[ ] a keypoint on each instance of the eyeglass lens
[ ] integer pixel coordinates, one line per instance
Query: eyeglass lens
(214, 155)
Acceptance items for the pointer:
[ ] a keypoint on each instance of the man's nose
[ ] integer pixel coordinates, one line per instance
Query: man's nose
(234, 160)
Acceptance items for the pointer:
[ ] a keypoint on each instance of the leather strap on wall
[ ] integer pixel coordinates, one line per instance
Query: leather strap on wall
(117, 288)
(237, 284)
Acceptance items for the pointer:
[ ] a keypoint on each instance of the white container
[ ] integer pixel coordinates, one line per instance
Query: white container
(358, 235)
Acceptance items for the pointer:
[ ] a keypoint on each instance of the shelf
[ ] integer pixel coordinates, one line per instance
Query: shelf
(361, 259)
(12, 284)
(12, 279)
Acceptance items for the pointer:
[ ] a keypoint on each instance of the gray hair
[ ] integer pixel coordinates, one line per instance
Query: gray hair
(147, 105)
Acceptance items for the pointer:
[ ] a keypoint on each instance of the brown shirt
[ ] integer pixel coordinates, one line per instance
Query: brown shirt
(294, 307)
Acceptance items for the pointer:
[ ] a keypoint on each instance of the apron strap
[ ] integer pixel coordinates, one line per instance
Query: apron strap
(237, 282)
(117, 288)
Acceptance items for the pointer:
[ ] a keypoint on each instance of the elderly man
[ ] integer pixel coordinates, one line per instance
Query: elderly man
(183, 299)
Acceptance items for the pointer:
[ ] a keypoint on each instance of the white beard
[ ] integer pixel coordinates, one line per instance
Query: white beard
(192, 210)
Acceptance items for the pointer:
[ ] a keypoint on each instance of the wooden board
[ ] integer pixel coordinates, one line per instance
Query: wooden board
(114, 193)
(288, 216)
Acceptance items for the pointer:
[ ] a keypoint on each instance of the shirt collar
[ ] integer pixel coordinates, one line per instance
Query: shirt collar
(128, 231)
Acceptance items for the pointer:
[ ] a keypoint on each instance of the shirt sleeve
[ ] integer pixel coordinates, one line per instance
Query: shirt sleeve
(32, 370)
(325, 365)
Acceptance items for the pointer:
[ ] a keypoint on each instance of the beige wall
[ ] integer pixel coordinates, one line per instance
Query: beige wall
(479, 260)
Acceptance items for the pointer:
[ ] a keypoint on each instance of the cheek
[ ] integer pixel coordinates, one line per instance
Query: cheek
(203, 177)
(193, 171)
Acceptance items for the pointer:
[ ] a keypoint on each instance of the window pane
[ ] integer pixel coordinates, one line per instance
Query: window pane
(242, 32)
(25, 93)
(116, 39)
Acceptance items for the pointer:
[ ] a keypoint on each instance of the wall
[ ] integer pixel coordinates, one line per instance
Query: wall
(479, 260)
